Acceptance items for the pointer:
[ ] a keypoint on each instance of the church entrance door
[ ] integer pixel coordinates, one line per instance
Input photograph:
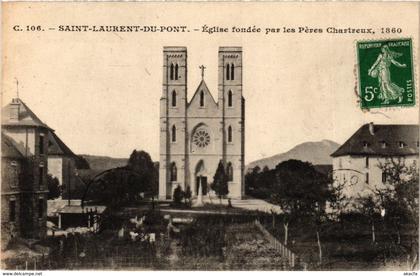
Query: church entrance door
(203, 181)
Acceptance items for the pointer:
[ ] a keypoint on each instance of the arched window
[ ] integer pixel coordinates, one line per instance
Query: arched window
(174, 172)
(228, 71)
(171, 75)
(230, 103)
(229, 171)
(229, 134)
(176, 71)
(174, 98)
(173, 133)
(232, 72)
(201, 98)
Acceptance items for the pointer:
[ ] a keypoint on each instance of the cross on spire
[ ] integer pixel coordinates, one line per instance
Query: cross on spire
(202, 67)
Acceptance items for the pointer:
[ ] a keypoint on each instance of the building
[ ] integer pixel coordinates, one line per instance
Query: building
(24, 170)
(61, 161)
(196, 135)
(12, 162)
(359, 162)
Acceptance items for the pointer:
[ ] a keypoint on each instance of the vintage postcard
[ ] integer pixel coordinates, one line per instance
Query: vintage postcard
(211, 136)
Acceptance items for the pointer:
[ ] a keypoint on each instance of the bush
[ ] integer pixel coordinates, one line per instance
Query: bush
(54, 189)
(178, 195)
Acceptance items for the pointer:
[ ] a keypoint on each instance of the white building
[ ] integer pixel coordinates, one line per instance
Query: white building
(359, 161)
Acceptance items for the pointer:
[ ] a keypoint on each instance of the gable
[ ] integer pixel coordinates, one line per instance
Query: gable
(56, 146)
(25, 115)
(202, 96)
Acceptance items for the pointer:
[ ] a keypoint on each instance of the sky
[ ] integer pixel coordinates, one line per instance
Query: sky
(101, 91)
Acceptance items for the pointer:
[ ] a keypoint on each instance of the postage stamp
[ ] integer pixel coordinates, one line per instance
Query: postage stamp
(386, 76)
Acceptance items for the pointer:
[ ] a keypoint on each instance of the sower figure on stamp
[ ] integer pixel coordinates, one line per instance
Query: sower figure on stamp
(381, 70)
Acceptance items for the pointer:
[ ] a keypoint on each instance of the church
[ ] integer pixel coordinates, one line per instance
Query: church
(196, 135)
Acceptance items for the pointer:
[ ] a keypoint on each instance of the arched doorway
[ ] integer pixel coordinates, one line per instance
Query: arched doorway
(200, 178)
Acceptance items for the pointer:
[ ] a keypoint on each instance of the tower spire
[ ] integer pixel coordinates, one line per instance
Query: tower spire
(202, 67)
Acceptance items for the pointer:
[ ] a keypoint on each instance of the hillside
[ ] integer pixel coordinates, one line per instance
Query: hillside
(318, 153)
(102, 163)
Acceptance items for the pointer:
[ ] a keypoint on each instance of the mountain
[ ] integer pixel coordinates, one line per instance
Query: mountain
(102, 163)
(318, 153)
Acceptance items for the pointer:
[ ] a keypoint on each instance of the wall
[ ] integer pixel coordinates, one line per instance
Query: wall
(34, 186)
(10, 190)
(55, 167)
(353, 172)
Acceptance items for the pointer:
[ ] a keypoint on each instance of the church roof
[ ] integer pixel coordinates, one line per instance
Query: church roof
(382, 140)
(202, 87)
(25, 115)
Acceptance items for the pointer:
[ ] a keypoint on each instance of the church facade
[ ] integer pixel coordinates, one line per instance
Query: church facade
(196, 135)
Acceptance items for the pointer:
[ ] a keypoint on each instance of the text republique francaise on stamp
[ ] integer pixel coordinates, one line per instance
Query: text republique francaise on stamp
(386, 73)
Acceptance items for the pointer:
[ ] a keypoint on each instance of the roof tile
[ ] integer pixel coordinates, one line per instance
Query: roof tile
(392, 135)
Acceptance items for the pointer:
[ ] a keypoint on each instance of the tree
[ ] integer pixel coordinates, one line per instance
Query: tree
(398, 196)
(259, 183)
(54, 190)
(338, 201)
(286, 205)
(178, 195)
(370, 208)
(141, 163)
(318, 218)
(251, 181)
(300, 191)
(124, 185)
(116, 187)
(300, 185)
(220, 181)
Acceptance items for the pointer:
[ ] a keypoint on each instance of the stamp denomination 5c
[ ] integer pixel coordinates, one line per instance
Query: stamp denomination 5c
(386, 73)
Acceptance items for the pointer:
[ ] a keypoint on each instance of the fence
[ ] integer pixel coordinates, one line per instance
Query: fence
(30, 263)
(100, 262)
(291, 257)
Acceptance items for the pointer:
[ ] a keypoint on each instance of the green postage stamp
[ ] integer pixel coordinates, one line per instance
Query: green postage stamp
(386, 76)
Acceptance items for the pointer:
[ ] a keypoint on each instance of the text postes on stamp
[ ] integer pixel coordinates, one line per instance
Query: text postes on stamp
(386, 73)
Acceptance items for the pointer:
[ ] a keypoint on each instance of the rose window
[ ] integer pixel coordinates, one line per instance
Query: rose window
(201, 138)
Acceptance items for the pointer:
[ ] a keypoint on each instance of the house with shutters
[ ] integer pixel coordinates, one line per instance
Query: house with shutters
(24, 190)
(30, 151)
(359, 163)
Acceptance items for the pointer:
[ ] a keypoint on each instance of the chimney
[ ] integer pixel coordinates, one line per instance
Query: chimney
(371, 128)
(14, 109)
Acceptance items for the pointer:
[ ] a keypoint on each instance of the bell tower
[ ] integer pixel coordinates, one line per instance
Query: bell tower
(173, 121)
(232, 110)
